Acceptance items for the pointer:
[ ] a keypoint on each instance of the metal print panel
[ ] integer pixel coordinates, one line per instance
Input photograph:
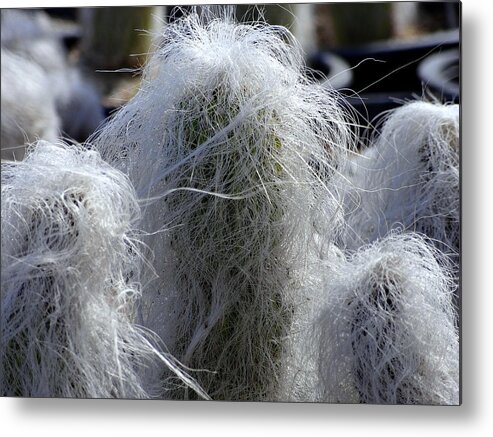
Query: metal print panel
(252, 203)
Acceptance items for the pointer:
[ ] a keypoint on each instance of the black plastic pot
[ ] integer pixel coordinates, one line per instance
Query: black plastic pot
(391, 66)
(440, 74)
(332, 69)
(386, 74)
(367, 107)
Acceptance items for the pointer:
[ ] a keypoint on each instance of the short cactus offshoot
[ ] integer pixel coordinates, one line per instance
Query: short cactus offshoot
(409, 179)
(387, 333)
(70, 267)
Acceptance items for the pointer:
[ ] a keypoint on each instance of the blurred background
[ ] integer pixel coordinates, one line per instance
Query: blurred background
(64, 70)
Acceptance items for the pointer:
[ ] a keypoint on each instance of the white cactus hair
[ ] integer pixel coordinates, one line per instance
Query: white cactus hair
(257, 66)
(409, 179)
(222, 136)
(387, 333)
(300, 380)
(28, 107)
(70, 269)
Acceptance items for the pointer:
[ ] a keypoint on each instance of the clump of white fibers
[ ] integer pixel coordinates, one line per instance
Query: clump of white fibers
(387, 332)
(409, 179)
(223, 136)
(69, 271)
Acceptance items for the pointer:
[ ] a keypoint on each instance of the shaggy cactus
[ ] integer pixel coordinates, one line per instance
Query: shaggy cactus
(70, 270)
(387, 331)
(222, 140)
(409, 179)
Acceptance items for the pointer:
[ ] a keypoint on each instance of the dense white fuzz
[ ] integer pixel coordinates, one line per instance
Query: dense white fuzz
(387, 331)
(70, 268)
(300, 381)
(233, 147)
(409, 178)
